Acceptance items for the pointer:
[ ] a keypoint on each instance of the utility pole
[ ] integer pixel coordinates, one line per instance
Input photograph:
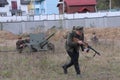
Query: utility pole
(63, 9)
(63, 13)
(110, 4)
(1, 26)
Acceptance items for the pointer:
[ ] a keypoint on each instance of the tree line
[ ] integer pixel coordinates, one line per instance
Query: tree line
(105, 4)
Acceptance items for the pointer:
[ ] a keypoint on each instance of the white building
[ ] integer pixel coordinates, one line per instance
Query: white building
(13, 7)
(21, 7)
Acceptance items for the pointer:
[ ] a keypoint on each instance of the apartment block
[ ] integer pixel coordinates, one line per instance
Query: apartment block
(20, 7)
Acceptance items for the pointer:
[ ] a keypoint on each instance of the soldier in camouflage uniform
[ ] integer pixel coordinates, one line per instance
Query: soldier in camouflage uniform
(72, 49)
(20, 45)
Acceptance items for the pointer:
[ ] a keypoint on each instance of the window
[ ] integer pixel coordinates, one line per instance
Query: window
(37, 11)
(2, 5)
(3, 14)
(14, 5)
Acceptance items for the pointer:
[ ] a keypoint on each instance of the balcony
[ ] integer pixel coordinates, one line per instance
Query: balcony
(4, 2)
(25, 2)
(17, 12)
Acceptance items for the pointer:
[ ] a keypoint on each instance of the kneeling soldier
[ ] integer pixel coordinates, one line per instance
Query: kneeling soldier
(20, 44)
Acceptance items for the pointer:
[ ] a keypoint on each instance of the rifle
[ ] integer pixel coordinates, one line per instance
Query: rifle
(88, 46)
(96, 52)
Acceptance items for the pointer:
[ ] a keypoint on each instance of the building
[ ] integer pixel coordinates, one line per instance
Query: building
(13, 7)
(3, 3)
(36, 7)
(76, 6)
(20, 7)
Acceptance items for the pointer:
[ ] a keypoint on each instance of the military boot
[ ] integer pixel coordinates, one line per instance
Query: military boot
(64, 69)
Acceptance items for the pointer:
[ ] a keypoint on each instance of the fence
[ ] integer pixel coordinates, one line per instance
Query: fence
(69, 21)
(58, 17)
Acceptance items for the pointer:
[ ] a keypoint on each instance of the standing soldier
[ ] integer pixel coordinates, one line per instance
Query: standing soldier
(94, 38)
(72, 48)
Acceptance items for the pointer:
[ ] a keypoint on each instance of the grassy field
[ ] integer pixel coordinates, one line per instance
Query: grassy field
(47, 65)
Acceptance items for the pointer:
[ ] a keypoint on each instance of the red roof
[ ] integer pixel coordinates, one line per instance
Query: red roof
(80, 2)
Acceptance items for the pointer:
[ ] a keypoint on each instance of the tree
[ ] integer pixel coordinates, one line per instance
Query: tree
(116, 4)
(104, 4)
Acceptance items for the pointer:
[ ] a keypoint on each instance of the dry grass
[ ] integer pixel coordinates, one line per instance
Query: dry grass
(47, 66)
(7, 35)
(103, 33)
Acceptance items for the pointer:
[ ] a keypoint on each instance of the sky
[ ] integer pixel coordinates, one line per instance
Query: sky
(51, 6)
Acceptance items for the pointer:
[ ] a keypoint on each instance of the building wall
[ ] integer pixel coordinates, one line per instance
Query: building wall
(77, 8)
(24, 8)
(31, 8)
(7, 8)
(36, 7)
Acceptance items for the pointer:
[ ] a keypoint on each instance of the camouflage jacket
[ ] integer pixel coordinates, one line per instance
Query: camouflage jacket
(18, 43)
(70, 45)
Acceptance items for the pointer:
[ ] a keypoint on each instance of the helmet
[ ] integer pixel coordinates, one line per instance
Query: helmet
(79, 28)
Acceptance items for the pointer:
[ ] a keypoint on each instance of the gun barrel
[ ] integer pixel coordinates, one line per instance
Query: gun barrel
(96, 52)
(50, 36)
(46, 40)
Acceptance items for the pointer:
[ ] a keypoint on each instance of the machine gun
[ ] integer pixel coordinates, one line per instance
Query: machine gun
(88, 46)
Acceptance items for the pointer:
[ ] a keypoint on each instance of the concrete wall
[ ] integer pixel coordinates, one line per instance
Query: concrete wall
(30, 26)
(58, 16)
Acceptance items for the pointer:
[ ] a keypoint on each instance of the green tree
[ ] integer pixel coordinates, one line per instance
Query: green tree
(104, 4)
(116, 4)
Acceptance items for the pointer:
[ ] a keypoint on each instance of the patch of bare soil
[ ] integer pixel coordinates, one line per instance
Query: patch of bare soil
(102, 33)
(7, 35)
